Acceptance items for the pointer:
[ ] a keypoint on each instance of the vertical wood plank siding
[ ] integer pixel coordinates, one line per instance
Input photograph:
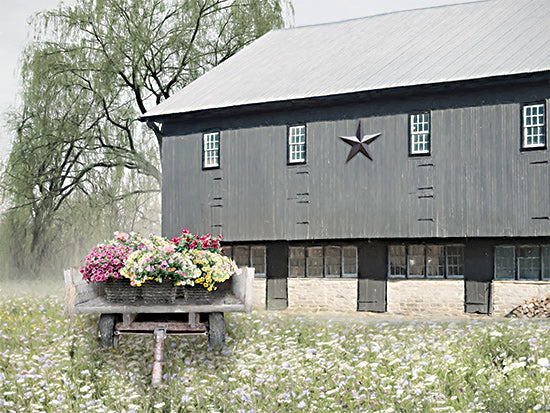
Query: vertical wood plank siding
(476, 183)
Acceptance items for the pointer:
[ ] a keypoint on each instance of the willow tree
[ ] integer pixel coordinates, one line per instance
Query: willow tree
(91, 71)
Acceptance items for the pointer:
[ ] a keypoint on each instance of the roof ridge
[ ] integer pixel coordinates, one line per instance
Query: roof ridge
(467, 2)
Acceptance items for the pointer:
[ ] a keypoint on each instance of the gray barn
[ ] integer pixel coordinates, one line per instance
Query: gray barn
(458, 187)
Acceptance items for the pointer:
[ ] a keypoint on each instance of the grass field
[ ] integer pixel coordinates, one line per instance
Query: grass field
(273, 362)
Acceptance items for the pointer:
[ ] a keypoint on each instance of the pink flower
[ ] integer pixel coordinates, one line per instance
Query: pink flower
(169, 248)
(121, 236)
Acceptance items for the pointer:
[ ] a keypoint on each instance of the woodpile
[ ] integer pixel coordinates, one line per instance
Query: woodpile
(533, 307)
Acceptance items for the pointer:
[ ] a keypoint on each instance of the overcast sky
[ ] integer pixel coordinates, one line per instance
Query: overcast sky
(15, 14)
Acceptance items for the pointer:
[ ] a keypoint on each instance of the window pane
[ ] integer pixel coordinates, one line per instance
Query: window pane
(350, 261)
(398, 261)
(420, 133)
(333, 261)
(455, 261)
(211, 149)
(257, 258)
(534, 125)
(545, 252)
(505, 266)
(416, 261)
(436, 261)
(297, 144)
(314, 262)
(241, 255)
(297, 262)
(529, 263)
(228, 251)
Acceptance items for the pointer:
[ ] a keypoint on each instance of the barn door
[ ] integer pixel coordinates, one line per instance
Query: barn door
(478, 273)
(276, 294)
(371, 285)
(371, 295)
(277, 273)
(478, 296)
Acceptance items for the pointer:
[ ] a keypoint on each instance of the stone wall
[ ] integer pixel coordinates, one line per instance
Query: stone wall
(329, 294)
(509, 294)
(258, 293)
(426, 297)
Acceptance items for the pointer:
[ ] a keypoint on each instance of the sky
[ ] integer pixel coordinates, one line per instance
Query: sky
(15, 32)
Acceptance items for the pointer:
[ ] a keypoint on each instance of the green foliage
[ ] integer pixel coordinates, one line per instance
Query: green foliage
(274, 362)
(92, 70)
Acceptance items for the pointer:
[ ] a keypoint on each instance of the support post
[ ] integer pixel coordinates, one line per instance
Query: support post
(160, 335)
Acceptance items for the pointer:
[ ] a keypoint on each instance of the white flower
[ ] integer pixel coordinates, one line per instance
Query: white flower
(543, 362)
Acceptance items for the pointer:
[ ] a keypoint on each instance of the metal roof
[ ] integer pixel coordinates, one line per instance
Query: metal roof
(440, 44)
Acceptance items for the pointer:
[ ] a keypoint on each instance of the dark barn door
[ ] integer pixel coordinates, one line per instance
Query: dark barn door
(478, 296)
(478, 273)
(371, 285)
(277, 276)
(371, 295)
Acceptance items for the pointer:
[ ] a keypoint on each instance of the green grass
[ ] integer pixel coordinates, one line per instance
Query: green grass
(273, 362)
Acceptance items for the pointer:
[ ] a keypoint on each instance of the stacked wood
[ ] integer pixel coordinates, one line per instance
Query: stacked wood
(534, 307)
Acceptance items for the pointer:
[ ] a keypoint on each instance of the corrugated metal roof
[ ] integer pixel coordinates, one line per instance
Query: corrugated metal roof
(439, 44)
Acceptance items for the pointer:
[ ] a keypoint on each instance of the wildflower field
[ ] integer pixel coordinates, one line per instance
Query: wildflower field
(274, 362)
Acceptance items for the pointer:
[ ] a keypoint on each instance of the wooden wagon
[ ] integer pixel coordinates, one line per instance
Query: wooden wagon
(200, 316)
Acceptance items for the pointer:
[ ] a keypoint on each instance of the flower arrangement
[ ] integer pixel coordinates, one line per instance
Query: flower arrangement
(214, 268)
(105, 262)
(158, 261)
(189, 242)
(187, 260)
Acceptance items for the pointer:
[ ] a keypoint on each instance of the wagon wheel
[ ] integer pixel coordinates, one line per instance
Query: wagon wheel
(216, 329)
(106, 327)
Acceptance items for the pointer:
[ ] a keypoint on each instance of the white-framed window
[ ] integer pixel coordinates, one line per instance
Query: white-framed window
(297, 262)
(257, 260)
(333, 261)
(505, 263)
(330, 261)
(397, 261)
(211, 150)
(314, 261)
(534, 126)
(349, 261)
(248, 256)
(426, 261)
(455, 261)
(523, 262)
(419, 126)
(296, 144)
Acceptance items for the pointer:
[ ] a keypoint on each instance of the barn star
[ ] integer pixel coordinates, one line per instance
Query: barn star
(359, 143)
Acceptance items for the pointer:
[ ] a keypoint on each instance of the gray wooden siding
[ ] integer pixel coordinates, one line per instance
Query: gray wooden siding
(477, 182)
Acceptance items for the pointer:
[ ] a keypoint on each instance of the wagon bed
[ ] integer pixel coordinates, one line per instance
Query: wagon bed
(185, 316)
(82, 297)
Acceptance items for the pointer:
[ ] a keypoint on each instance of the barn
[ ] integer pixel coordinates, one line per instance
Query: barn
(395, 163)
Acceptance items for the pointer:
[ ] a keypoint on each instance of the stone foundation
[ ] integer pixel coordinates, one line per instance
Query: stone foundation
(309, 294)
(416, 298)
(258, 293)
(425, 297)
(509, 294)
